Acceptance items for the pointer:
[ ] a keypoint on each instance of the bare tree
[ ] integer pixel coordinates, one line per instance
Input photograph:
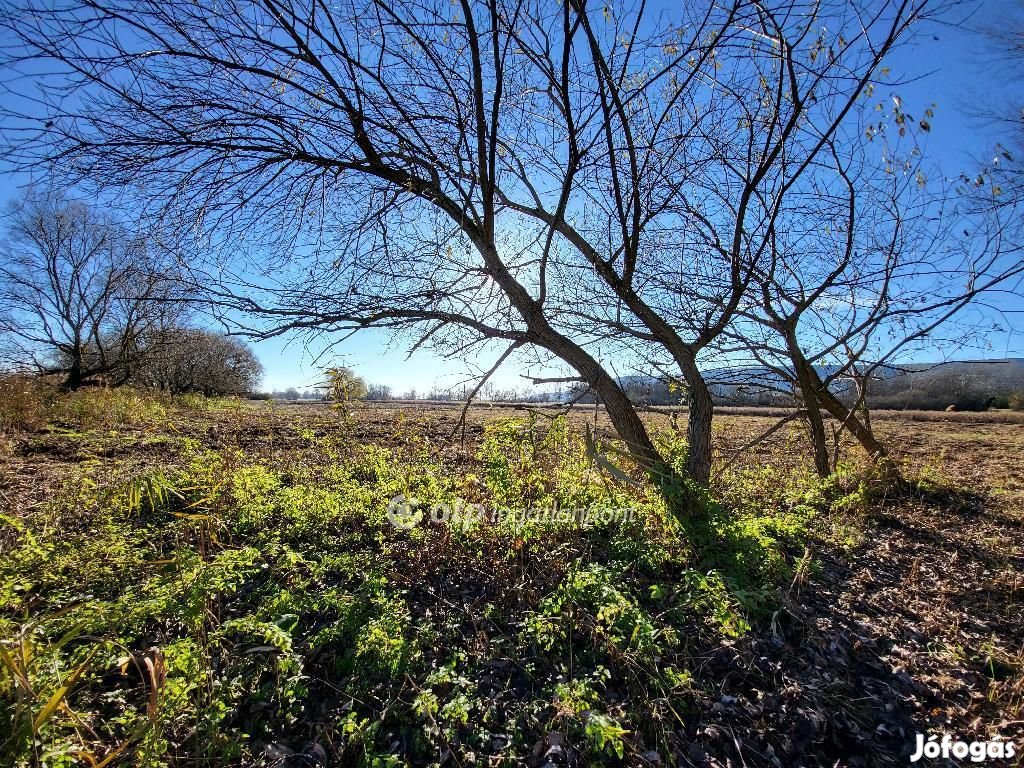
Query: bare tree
(77, 291)
(600, 186)
(179, 360)
(378, 392)
(843, 306)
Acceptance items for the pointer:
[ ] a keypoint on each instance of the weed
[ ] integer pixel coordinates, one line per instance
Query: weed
(606, 735)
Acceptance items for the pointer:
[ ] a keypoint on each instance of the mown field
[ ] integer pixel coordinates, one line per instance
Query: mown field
(215, 582)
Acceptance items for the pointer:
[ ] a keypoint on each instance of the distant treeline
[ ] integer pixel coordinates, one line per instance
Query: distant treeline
(961, 386)
(382, 392)
(966, 386)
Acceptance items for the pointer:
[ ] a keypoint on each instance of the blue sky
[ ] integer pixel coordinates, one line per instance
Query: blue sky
(950, 67)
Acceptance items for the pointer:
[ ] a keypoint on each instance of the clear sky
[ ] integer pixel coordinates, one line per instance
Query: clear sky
(950, 66)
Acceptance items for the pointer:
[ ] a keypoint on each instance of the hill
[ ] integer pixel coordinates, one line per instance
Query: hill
(964, 384)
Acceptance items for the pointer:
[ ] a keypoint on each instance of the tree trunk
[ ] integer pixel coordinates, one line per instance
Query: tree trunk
(75, 376)
(621, 412)
(698, 459)
(863, 434)
(630, 428)
(819, 439)
(816, 424)
(862, 402)
(807, 379)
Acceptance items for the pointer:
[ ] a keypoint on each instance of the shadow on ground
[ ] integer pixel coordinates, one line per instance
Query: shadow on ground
(915, 631)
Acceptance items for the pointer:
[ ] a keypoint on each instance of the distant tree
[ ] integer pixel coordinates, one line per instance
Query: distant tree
(438, 393)
(344, 385)
(179, 360)
(378, 392)
(77, 291)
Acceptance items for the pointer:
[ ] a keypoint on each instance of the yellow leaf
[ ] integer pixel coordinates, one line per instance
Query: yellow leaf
(14, 669)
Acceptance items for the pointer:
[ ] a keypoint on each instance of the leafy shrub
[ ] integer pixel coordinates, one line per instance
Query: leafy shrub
(528, 468)
(589, 596)
(512, 472)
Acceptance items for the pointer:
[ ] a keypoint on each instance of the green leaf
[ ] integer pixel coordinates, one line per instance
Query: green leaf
(58, 695)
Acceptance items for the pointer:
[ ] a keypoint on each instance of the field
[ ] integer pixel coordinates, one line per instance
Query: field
(216, 582)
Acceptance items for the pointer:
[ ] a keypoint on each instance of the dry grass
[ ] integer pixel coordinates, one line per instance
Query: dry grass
(23, 404)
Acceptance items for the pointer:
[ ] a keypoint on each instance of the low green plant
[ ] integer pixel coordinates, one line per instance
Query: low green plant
(384, 647)
(193, 401)
(606, 735)
(240, 597)
(593, 596)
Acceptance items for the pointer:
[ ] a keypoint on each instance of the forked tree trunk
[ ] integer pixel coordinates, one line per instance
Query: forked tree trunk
(807, 379)
(863, 434)
(861, 431)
